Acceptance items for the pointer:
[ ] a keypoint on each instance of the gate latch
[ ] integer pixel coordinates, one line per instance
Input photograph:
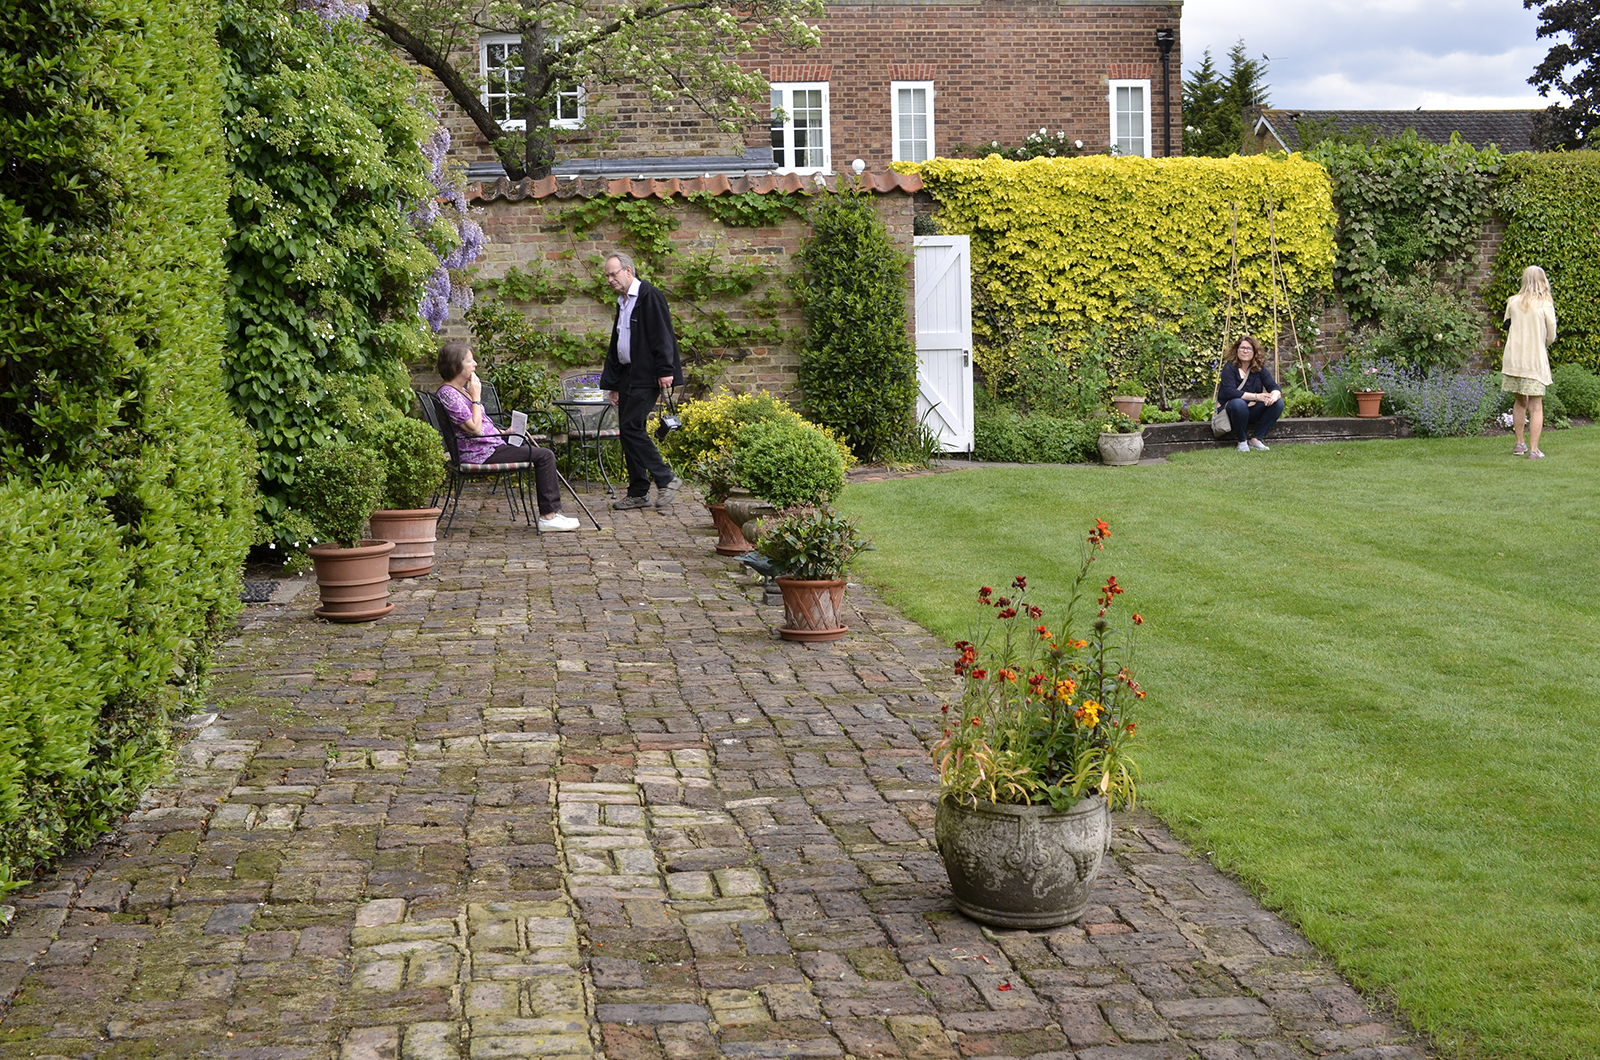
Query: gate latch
(966, 359)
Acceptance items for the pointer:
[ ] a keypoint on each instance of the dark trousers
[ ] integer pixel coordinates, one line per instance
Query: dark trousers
(639, 450)
(1248, 419)
(545, 483)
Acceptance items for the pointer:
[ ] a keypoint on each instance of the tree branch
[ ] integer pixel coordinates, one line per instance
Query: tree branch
(465, 94)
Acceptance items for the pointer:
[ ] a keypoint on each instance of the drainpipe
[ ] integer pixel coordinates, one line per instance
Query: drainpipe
(1165, 38)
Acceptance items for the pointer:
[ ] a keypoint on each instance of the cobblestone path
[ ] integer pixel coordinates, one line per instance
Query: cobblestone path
(573, 800)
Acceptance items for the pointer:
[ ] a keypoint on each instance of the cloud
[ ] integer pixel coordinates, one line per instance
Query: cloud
(1377, 54)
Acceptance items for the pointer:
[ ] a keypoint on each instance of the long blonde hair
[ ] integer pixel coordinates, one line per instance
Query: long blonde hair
(1535, 289)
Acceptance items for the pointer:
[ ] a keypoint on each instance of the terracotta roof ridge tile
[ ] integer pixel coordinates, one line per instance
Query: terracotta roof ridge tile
(668, 187)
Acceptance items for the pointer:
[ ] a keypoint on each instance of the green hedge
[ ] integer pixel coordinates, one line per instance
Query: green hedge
(857, 366)
(1003, 435)
(1550, 202)
(125, 480)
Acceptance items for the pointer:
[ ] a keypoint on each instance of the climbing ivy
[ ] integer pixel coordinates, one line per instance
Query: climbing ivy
(751, 209)
(1405, 205)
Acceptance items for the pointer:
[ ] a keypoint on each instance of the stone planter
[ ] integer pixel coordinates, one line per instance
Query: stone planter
(745, 510)
(413, 532)
(730, 535)
(353, 582)
(1368, 403)
(1129, 406)
(812, 610)
(1120, 449)
(1022, 866)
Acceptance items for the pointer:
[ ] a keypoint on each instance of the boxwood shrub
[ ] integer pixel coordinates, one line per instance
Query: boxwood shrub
(125, 479)
(788, 462)
(1003, 435)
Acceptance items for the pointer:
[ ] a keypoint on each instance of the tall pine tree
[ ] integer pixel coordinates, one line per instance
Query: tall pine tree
(1213, 103)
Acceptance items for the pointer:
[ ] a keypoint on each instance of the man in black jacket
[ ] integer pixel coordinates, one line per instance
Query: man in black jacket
(641, 362)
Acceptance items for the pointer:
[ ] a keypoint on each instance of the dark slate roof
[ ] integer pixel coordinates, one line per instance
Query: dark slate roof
(756, 161)
(1510, 130)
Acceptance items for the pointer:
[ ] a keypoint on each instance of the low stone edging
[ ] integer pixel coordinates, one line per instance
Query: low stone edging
(1164, 439)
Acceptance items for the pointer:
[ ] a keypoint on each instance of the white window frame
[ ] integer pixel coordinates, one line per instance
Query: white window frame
(1149, 132)
(788, 88)
(896, 143)
(575, 95)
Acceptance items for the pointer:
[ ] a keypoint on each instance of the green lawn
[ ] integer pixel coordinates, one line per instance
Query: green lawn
(1374, 692)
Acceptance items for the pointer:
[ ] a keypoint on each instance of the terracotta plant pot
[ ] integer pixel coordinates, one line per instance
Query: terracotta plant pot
(1022, 866)
(1368, 403)
(730, 536)
(1130, 407)
(812, 610)
(412, 531)
(353, 582)
(1121, 449)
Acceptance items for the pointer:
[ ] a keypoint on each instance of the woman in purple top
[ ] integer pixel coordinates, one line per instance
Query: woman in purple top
(480, 441)
(1250, 394)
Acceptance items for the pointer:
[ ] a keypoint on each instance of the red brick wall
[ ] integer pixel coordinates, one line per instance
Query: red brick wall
(528, 231)
(1001, 70)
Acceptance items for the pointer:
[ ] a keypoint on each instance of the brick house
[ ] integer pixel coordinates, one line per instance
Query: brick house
(892, 80)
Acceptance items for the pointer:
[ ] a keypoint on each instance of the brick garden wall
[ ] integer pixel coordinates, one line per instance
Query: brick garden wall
(525, 230)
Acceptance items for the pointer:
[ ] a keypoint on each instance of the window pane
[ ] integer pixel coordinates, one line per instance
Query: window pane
(806, 116)
(912, 132)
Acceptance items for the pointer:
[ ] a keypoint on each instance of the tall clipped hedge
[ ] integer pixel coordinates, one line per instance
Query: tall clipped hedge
(125, 501)
(858, 367)
(1550, 203)
(1080, 244)
(324, 134)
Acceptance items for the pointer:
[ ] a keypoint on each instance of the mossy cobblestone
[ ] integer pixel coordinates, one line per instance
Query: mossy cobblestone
(574, 800)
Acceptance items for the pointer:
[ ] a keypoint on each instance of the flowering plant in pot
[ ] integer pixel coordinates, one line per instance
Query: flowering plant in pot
(414, 462)
(810, 550)
(338, 486)
(1034, 754)
(717, 475)
(1121, 439)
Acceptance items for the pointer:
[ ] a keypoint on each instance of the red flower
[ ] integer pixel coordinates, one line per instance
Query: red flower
(1101, 529)
(1007, 675)
(980, 674)
(945, 709)
(1131, 724)
(1002, 602)
(1137, 620)
(1019, 583)
(1044, 633)
(985, 593)
(1034, 612)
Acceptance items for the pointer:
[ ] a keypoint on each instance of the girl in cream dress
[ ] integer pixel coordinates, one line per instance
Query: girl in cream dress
(1525, 367)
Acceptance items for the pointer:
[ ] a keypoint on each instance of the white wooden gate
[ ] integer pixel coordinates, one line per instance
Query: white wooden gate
(944, 338)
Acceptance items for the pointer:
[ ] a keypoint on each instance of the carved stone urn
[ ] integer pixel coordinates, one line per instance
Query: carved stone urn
(1022, 866)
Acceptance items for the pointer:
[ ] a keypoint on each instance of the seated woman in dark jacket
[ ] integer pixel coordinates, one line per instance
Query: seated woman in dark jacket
(1250, 394)
(480, 441)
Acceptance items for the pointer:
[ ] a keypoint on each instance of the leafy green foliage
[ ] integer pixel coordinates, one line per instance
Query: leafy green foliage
(1003, 435)
(1425, 322)
(338, 487)
(1578, 390)
(529, 386)
(1405, 205)
(750, 209)
(1214, 102)
(1575, 124)
(1550, 202)
(413, 461)
(857, 366)
(814, 545)
(324, 136)
(788, 462)
(125, 479)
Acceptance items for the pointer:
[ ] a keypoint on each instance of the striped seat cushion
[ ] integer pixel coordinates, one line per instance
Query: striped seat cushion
(486, 468)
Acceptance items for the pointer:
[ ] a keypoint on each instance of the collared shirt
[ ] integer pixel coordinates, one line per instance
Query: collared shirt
(625, 304)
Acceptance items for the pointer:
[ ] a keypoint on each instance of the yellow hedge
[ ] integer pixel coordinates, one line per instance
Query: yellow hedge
(1069, 242)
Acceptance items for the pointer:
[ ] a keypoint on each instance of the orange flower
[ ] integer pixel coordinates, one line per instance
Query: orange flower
(1044, 633)
(1007, 675)
(1138, 621)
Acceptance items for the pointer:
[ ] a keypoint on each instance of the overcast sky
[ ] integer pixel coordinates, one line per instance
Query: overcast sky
(1377, 54)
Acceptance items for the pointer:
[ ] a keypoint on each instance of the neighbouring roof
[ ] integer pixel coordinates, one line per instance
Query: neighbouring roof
(666, 188)
(1509, 130)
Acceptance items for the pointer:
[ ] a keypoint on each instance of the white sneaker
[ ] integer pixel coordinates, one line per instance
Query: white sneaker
(1258, 445)
(556, 523)
(1244, 447)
